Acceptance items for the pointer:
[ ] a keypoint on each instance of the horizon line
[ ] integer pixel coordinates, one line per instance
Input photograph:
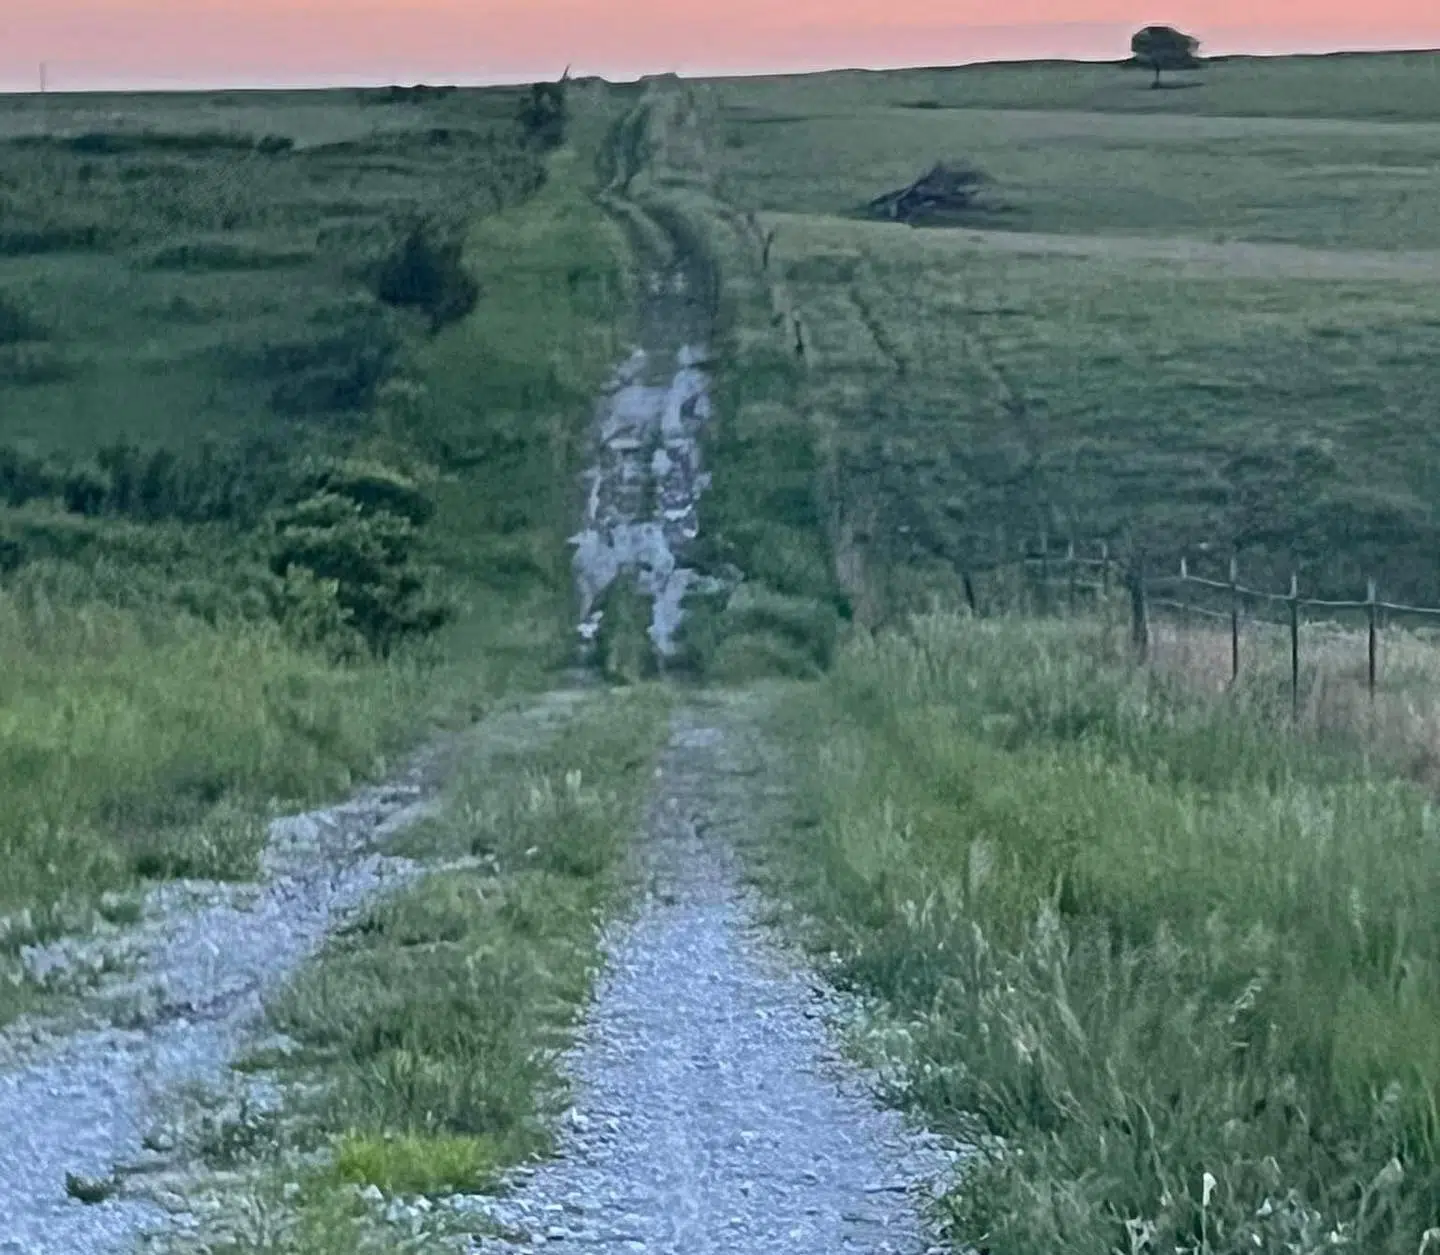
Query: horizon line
(362, 82)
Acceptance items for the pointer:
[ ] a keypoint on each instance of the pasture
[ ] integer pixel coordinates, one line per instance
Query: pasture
(1196, 316)
(1157, 950)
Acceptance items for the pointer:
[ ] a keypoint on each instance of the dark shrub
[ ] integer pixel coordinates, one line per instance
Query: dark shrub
(427, 274)
(374, 488)
(58, 238)
(369, 557)
(86, 490)
(543, 114)
(16, 324)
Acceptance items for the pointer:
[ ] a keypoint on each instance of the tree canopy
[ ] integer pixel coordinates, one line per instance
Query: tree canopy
(1165, 48)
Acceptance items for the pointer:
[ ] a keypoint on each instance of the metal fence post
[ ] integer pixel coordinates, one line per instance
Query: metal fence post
(1372, 613)
(1294, 645)
(1234, 619)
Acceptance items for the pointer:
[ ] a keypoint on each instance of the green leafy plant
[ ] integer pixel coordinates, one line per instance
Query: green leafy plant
(369, 556)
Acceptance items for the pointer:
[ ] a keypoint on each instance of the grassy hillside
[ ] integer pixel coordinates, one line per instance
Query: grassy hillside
(1402, 86)
(1199, 315)
(267, 512)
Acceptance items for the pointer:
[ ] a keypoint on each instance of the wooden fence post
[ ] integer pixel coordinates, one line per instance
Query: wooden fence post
(1044, 572)
(1070, 562)
(1234, 619)
(1372, 613)
(1294, 645)
(1107, 611)
(1002, 583)
(1139, 612)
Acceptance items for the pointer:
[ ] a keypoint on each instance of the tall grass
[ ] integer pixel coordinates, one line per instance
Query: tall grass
(123, 733)
(1177, 970)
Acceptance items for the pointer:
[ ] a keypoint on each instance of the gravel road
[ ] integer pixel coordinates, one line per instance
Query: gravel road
(712, 1111)
(200, 964)
(644, 482)
(84, 1103)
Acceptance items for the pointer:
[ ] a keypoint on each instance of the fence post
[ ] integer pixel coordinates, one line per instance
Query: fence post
(1044, 572)
(1294, 645)
(1070, 562)
(1139, 612)
(969, 593)
(1105, 569)
(1002, 583)
(1372, 613)
(1234, 619)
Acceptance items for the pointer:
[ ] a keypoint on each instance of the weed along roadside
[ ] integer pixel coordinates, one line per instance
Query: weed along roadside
(421, 1043)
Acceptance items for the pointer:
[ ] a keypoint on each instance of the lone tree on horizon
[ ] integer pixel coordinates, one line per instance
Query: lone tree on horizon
(1165, 48)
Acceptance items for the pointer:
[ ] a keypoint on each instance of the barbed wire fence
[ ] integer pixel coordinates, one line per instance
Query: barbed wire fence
(1066, 578)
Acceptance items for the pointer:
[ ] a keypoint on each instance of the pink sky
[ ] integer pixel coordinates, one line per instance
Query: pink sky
(172, 43)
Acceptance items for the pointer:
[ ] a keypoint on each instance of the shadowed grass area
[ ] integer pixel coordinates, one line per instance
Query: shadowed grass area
(1132, 938)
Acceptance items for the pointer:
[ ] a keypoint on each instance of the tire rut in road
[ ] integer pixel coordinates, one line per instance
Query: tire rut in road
(712, 1111)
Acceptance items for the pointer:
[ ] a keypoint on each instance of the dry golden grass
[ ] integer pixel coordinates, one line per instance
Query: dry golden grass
(1398, 724)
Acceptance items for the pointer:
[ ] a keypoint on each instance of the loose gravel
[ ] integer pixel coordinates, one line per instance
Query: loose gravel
(712, 1111)
(84, 1104)
(644, 482)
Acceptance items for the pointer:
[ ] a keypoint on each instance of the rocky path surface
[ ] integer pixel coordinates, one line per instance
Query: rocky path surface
(644, 482)
(712, 1111)
(86, 1104)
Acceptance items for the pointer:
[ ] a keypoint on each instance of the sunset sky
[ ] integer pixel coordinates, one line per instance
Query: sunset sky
(91, 44)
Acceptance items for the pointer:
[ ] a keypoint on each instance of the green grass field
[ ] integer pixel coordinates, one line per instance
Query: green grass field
(1200, 315)
(1128, 938)
(1173, 962)
(191, 329)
